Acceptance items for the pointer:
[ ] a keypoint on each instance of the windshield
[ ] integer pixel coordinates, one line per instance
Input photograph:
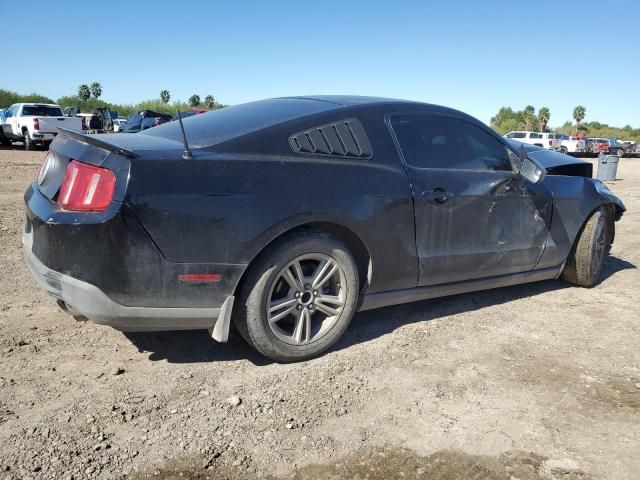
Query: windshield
(226, 123)
(42, 111)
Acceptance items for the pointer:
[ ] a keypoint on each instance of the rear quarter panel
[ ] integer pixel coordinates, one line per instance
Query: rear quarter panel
(225, 208)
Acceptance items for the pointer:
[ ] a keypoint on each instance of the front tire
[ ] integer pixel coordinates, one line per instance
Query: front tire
(586, 260)
(620, 153)
(298, 297)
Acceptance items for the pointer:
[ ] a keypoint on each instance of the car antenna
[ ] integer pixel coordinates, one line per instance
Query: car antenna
(186, 155)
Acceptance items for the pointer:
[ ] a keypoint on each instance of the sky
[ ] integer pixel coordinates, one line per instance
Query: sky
(476, 56)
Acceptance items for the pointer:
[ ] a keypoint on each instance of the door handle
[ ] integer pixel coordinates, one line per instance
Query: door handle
(438, 195)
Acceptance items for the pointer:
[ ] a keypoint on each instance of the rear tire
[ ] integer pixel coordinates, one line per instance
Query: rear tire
(26, 139)
(585, 262)
(564, 150)
(319, 312)
(620, 153)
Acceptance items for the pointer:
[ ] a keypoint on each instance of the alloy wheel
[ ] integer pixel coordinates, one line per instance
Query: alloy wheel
(306, 299)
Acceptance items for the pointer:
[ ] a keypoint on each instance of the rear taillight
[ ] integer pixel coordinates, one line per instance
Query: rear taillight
(86, 188)
(36, 124)
(84, 123)
(550, 142)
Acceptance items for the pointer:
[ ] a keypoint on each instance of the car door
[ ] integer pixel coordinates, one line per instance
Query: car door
(475, 217)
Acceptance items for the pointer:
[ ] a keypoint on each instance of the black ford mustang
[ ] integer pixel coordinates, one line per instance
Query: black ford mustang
(289, 215)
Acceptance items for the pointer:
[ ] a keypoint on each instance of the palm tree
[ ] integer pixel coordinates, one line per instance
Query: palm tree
(96, 89)
(194, 100)
(83, 92)
(578, 115)
(528, 115)
(543, 117)
(209, 101)
(165, 96)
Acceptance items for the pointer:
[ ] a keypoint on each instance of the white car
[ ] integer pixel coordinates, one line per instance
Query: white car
(571, 144)
(540, 139)
(36, 122)
(118, 123)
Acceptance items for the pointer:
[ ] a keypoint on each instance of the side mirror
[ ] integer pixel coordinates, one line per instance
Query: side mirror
(530, 169)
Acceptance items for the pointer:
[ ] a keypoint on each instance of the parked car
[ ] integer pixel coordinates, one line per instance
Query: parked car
(33, 123)
(188, 113)
(99, 121)
(118, 124)
(598, 145)
(630, 148)
(571, 144)
(541, 139)
(144, 119)
(286, 216)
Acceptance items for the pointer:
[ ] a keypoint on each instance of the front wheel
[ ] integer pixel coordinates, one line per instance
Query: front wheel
(298, 298)
(620, 153)
(586, 260)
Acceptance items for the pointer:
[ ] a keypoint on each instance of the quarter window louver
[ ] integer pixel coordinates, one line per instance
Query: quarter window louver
(345, 138)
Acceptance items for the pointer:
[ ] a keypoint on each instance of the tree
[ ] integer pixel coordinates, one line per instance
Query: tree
(543, 117)
(528, 115)
(578, 115)
(96, 89)
(83, 92)
(194, 100)
(209, 101)
(165, 96)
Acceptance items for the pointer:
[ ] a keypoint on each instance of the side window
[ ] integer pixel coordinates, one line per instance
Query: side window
(516, 135)
(434, 141)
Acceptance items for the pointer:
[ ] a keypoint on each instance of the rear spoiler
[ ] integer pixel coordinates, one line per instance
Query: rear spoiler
(92, 140)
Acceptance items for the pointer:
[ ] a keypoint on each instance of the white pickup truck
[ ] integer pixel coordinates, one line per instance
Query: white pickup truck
(32, 123)
(571, 144)
(540, 139)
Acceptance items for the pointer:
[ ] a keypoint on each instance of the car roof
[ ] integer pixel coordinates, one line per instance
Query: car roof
(220, 125)
(350, 100)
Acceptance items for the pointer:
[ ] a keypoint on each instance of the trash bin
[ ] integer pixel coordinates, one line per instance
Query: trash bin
(607, 166)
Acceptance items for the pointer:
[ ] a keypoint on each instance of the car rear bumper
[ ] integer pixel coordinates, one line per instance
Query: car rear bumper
(93, 303)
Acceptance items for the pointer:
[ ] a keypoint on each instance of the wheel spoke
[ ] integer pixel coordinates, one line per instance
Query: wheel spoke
(324, 273)
(307, 326)
(282, 314)
(282, 303)
(326, 309)
(297, 331)
(298, 269)
(330, 299)
(291, 280)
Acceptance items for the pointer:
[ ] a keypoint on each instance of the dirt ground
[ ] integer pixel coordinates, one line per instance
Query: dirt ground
(531, 382)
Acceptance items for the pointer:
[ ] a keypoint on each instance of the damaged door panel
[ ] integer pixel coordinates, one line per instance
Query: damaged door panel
(475, 217)
(509, 220)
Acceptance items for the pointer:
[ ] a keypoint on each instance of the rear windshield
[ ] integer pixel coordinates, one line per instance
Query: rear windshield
(42, 111)
(226, 123)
